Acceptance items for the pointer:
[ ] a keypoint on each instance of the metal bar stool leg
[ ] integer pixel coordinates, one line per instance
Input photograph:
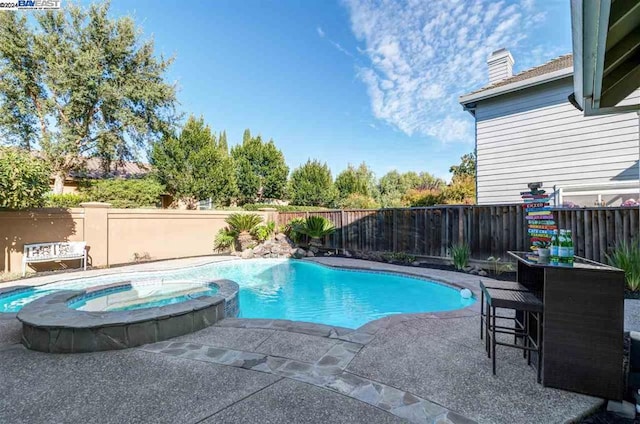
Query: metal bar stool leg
(539, 345)
(482, 317)
(493, 339)
(487, 325)
(527, 353)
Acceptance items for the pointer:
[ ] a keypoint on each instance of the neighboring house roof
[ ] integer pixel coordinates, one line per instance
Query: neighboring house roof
(93, 169)
(557, 68)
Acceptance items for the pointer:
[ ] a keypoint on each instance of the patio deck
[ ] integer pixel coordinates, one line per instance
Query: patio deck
(416, 368)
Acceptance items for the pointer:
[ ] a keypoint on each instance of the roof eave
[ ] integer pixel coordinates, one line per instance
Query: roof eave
(515, 86)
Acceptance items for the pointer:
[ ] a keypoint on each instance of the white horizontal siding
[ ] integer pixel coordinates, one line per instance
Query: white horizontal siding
(537, 135)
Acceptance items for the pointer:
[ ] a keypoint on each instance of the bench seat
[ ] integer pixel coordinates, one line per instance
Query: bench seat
(53, 252)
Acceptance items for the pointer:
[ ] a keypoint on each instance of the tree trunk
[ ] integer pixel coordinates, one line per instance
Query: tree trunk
(58, 182)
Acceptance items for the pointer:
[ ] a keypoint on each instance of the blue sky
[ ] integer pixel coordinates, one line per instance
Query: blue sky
(346, 81)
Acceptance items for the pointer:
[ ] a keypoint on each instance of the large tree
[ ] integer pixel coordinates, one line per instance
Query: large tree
(24, 179)
(462, 188)
(261, 169)
(360, 180)
(193, 166)
(395, 186)
(77, 82)
(467, 166)
(312, 185)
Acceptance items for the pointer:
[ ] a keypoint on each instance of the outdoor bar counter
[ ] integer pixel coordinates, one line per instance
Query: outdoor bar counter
(582, 325)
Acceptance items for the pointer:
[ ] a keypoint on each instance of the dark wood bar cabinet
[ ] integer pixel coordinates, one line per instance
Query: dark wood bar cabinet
(583, 324)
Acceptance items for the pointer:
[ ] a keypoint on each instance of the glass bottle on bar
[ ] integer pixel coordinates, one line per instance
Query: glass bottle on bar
(563, 248)
(553, 250)
(570, 247)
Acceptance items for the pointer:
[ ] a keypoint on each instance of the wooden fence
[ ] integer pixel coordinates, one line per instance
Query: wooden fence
(488, 230)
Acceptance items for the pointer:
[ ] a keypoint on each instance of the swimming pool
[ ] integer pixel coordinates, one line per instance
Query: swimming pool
(292, 290)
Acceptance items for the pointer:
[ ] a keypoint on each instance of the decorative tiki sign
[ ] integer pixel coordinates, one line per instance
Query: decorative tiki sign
(540, 222)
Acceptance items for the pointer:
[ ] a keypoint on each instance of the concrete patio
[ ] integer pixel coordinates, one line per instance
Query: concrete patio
(416, 368)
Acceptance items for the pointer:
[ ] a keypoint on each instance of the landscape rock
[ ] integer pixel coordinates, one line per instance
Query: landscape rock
(310, 254)
(313, 249)
(299, 253)
(347, 253)
(482, 273)
(467, 268)
(280, 246)
(474, 271)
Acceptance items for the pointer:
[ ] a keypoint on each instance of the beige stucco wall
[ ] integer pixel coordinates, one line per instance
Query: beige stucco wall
(162, 233)
(113, 236)
(35, 226)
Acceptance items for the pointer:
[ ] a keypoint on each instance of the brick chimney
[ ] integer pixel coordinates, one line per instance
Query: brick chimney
(500, 65)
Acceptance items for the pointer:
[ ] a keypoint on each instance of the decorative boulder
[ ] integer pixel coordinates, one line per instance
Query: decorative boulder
(259, 250)
(482, 273)
(310, 254)
(247, 254)
(313, 249)
(299, 253)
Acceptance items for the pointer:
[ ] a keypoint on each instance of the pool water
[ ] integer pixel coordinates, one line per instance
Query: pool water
(142, 295)
(293, 290)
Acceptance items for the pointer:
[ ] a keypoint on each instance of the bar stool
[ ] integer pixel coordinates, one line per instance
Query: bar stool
(504, 285)
(519, 301)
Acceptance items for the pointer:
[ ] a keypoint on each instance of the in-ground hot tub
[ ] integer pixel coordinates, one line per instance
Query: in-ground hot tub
(124, 315)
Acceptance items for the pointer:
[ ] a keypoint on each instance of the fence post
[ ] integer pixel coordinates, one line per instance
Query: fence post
(394, 224)
(342, 228)
(96, 232)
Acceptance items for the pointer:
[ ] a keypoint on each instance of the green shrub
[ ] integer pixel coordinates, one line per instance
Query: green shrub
(24, 179)
(66, 200)
(626, 256)
(263, 232)
(460, 254)
(225, 239)
(243, 222)
(359, 201)
(499, 267)
(125, 193)
(315, 227)
(426, 197)
(399, 257)
(240, 230)
(291, 229)
(282, 208)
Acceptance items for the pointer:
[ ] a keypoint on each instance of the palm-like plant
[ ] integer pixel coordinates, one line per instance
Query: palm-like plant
(626, 256)
(315, 227)
(243, 226)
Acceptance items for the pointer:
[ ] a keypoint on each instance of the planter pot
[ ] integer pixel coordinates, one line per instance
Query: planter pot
(543, 253)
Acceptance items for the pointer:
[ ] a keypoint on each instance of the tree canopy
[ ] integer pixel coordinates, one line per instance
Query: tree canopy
(194, 165)
(360, 180)
(24, 179)
(467, 166)
(312, 185)
(77, 82)
(261, 170)
(395, 186)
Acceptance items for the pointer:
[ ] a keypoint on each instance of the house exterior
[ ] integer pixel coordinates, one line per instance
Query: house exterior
(527, 130)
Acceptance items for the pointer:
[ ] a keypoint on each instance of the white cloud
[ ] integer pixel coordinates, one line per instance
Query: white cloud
(335, 44)
(424, 55)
